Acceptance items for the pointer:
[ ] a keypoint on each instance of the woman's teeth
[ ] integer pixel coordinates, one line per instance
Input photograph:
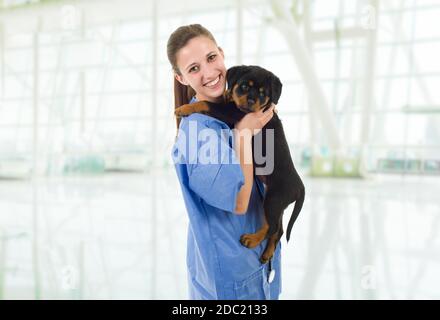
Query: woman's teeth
(213, 83)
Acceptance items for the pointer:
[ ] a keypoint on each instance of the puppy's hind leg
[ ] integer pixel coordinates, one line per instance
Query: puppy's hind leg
(275, 208)
(272, 244)
(269, 224)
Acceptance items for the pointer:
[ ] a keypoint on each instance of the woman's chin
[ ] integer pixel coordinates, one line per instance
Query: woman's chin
(216, 94)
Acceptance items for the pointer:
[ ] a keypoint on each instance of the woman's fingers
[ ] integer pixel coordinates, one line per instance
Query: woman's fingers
(256, 120)
(266, 116)
(262, 113)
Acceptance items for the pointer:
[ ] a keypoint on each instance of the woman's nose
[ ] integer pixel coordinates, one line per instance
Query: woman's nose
(210, 75)
(210, 72)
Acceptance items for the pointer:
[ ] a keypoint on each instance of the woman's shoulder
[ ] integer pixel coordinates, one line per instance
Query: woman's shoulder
(202, 121)
(193, 132)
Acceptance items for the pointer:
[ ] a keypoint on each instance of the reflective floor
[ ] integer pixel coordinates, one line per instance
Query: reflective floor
(123, 236)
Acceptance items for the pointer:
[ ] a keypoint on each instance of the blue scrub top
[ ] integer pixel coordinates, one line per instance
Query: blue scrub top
(219, 266)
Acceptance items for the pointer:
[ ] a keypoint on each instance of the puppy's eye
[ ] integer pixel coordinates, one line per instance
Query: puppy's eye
(244, 87)
(262, 94)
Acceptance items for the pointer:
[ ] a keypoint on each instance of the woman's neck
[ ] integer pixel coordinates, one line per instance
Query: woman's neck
(219, 99)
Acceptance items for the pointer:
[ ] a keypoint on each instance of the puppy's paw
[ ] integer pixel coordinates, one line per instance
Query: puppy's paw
(179, 113)
(184, 110)
(266, 257)
(250, 240)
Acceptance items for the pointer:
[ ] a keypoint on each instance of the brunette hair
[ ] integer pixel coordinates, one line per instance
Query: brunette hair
(177, 40)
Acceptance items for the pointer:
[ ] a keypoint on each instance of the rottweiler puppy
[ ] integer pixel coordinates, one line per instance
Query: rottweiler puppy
(252, 88)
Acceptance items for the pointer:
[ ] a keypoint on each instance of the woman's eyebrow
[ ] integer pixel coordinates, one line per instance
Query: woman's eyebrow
(207, 55)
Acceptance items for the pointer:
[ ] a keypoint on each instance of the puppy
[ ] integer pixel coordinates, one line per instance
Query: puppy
(250, 89)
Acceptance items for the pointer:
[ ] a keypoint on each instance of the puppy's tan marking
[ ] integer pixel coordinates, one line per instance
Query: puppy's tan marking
(187, 109)
(251, 240)
(239, 100)
(270, 248)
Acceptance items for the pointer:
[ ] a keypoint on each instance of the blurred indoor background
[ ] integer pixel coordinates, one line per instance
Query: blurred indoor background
(90, 205)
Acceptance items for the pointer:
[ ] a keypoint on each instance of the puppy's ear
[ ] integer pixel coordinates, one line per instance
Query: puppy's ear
(233, 74)
(276, 87)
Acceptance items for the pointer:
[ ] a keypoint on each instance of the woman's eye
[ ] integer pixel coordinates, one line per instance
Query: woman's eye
(193, 69)
(211, 58)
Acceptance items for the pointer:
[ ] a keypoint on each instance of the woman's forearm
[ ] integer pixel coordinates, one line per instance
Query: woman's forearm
(243, 150)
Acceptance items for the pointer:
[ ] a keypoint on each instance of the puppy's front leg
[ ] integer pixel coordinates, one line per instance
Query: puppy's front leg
(251, 240)
(187, 109)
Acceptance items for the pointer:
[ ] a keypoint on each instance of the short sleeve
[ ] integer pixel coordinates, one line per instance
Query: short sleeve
(216, 175)
(218, 185)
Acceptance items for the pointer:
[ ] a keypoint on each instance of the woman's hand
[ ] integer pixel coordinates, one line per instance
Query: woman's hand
(255, 121)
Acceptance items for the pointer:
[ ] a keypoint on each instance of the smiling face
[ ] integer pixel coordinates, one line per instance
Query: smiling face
(201, 65)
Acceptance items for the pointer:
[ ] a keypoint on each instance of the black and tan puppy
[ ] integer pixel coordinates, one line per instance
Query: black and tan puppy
(252, 88)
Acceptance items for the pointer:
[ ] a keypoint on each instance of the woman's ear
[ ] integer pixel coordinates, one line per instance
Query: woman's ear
(181, 79)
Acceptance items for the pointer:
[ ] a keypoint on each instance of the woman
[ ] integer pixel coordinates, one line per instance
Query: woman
(223, 199)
